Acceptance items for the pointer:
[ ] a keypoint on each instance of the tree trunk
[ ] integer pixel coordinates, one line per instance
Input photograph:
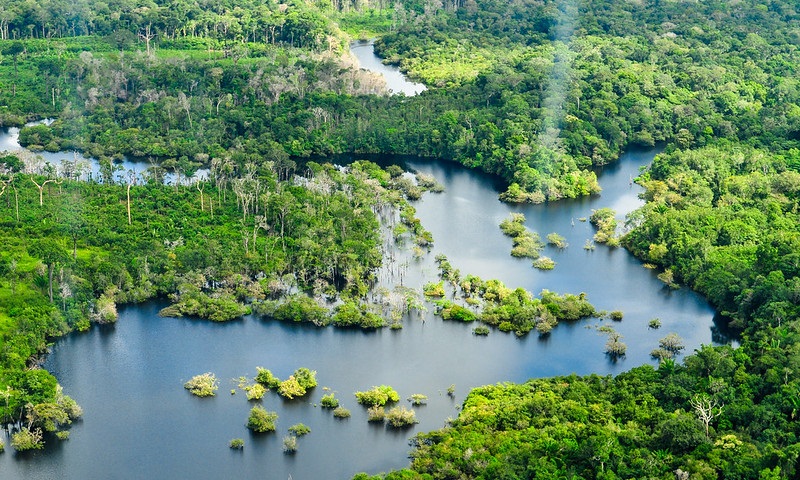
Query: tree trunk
(50, 269)
(129, 203)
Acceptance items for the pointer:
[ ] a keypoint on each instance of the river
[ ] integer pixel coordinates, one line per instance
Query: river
(139, 422)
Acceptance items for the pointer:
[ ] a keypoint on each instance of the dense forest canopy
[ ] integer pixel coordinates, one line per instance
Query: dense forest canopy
(539, 92)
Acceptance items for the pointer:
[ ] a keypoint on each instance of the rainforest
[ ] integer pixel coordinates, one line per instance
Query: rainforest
(278, 180)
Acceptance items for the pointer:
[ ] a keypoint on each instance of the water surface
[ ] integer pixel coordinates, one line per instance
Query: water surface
(396, 82)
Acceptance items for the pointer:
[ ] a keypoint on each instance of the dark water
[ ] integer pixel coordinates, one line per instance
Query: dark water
(139, 422)
(396, 82)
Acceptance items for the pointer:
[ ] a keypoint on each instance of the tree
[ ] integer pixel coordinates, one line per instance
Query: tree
(706, 409)
(51, 255)
(41, 187)
(291, 388)
(27, 439)
(260, 420)
(131, 182)
(203, 385)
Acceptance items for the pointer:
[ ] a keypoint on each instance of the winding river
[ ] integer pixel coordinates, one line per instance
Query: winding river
(139, 422)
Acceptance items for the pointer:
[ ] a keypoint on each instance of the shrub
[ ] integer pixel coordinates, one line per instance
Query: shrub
(660, 354)
(203, 385)
(557, 240)
(399, 417)
(27, 439)
(377, 396)
(289, 444)
(306, 378)
(451, 390)
(62, 435)
(260, 420)
(299, 429)
(481, 330)
(375, 414)
(301, 308)
(418, 399)
(341, 412)
(291, 388)
(452, 311)
(672, 343)
(255, 391)
(616, 315)
(266, 378)
(433, 289)
(352, 313)
(654, 323)
(614, 347)
(236, 444)
(329, 401)
(544, 263)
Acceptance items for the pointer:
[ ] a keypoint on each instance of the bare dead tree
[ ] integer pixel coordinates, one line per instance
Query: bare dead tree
(706, 409)
(131, 182)
(41, 188)
(147, 36)
(200, 185)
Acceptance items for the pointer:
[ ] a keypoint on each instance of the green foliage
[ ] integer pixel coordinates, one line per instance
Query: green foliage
(377, 396)
(401, 417)
(654, 323)
(301, 308)
(614, 348)
(27, 439)
(352, 313)
(544, 263)
(516, 310)
(299, 429)
(603, 219)
(329, 400)
(306, 378)
(266, 378)
(203, 385)
(431, 289)
(526, 243)
(557, 240)
(291, 388)
(289, 444)
(418, 399)
(341, 412)
(260, 420)
(452, 311)
(255, 391)
(236, 444)
(193, 302)
(481, 330)
(532, 91)
(376, 413)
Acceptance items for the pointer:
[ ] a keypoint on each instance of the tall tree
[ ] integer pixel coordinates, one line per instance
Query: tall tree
(51, 254)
